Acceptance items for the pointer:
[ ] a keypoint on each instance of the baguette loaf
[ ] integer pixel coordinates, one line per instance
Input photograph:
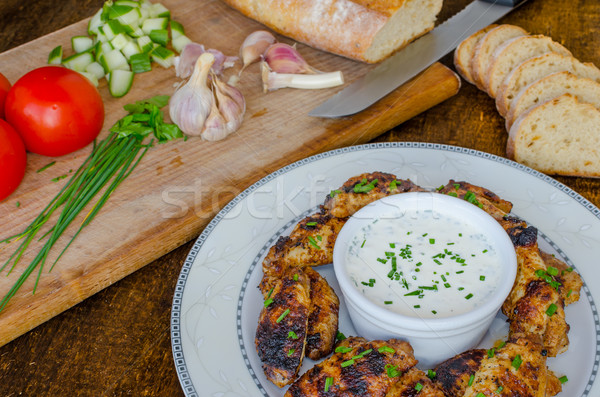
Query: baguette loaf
(484, 49)
(550, 87)
(561, 136)
(535, 68)
(365, 30)
(465, 51)
(512, 53)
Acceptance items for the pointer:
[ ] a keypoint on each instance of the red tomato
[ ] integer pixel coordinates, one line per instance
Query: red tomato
(56, 110)
(13, 159)
(4, 87)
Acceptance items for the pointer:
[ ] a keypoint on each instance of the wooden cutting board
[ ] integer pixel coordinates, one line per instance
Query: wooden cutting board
(179, 186)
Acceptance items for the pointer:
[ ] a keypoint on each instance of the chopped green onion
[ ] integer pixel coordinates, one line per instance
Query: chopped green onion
(431, 373)
(563, 379)
(499, 390)
(343, 349)
(285, 313)
(392, 370)
(295, 276)
(311, 223)
(347, 363)
(46, 167)
(393, 185)
(290, 352)
(328, 383)
(552, 271)
(363, 243)
(334, 193)
(469, 296)
(268, 302)
(516, 363)
(431, 241)
(416, 292)
(386, 349)
(471, 379)
(551, 309)
(313, 242)
(340, 336)
(365, 186)
(491, 352)
(418, 387)
(482, 278)
(292, 335)
(388, 302)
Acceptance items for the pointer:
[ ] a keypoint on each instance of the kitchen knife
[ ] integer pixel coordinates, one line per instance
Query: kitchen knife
(408, 62)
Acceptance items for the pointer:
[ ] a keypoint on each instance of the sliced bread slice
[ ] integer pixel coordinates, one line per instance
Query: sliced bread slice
(535, 68)
(512, 53)
(486, 47)
(561, 136)
(550, 87)
(465, 50)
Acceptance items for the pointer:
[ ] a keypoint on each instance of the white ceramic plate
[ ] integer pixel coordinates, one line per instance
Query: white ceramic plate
(216, 302)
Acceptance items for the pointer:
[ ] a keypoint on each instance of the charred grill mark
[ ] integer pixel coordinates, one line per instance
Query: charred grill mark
(452, 375)
(523, 236)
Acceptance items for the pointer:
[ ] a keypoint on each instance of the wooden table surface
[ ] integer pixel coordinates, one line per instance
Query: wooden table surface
(118, 341)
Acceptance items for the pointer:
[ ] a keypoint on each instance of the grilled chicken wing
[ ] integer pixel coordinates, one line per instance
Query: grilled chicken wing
(570, 280)
(281, 332)
(363, 189)
(535, 304)
(323, 316)
(415, 383)
(358, 368)
(309, 244)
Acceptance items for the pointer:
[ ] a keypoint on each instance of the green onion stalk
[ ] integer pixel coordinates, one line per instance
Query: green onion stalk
(111, 161)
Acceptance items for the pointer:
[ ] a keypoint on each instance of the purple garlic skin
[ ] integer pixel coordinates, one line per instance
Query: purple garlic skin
(283, 58)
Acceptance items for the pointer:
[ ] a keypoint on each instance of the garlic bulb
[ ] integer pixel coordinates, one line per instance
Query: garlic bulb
(283, 58)
(254, 46)
(191, 103)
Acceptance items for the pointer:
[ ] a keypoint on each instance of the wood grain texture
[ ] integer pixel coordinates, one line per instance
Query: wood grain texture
(117, 342)
(179, 186)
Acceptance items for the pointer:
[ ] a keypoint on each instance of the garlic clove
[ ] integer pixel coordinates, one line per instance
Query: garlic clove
(231, 104)
(215, 127)
(191, 103)
(184, 63)
(283, 58)
(274, 81)
(253, 47)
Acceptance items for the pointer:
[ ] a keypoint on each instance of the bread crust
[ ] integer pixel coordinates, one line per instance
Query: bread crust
(355, 29)
(465, 52)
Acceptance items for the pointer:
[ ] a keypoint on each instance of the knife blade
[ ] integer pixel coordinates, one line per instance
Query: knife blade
(408, 62)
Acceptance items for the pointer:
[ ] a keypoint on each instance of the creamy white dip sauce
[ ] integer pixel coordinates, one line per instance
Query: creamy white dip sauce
(424, 264)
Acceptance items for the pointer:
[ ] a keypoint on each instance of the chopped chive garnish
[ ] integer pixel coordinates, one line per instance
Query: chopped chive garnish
(46, 167)
(388, 302)
(392, 245)
(295, 277)
(290, 352)
(482, 278)
(501, 344)
(268, 302)
(499, 390)
(270, 292)
(363, 243)
(516, 363)
(18, 204)
(491, 352)
(285, 313)
(469, 296)
(447, 285)
(311, 223)
(471, 379)
(437, 261)
(386, 349)
(392, 370)
(431, 374)
(563, 379)
(416, 292)
(334, 193)
(343, 349)
(460, 272)
(340, 336)
(346, 363)
(418, 387)
(417, 306)
(434, 312)
(382, 260)
(319, 237)
(58, 178)
(551, 309)
(431, 241)
(328, 383)
(313, 242)
(292, 335)
(364, 187)
(480, 394)
(552, 271)
(393, 185)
